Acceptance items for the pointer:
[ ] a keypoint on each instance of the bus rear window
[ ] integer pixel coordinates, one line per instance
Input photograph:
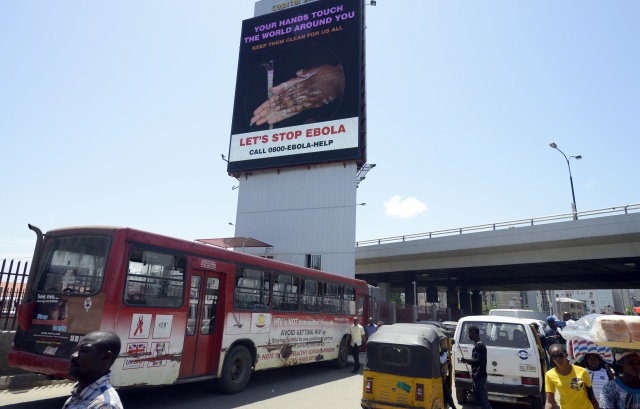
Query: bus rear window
(155, 279)
(73, 264)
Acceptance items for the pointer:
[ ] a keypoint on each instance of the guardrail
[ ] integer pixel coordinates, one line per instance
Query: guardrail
(508, 224)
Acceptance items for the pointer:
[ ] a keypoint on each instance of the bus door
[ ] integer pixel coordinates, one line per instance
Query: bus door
(203, 333)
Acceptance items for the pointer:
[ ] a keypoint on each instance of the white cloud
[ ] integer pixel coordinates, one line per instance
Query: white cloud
(404, 208)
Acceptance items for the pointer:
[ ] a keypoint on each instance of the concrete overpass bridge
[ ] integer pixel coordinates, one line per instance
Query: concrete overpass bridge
(599, 249)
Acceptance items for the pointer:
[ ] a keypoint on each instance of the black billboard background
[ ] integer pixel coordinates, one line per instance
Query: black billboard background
(337, 47)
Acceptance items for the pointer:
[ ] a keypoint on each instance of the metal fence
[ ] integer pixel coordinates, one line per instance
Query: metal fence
(588, 214)
(13, 281)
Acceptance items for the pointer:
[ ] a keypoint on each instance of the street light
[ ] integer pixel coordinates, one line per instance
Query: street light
(573, 195)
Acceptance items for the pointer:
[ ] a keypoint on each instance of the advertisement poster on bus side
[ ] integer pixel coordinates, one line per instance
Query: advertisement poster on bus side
(59, 321)
(298, 96)
(286, 340)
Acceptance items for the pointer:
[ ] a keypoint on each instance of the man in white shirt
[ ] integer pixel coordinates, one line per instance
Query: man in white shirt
(356, 338)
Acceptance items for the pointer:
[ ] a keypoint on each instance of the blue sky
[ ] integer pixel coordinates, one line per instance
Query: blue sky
(116, 113)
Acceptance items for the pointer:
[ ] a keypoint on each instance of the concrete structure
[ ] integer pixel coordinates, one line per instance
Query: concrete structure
(582, 254)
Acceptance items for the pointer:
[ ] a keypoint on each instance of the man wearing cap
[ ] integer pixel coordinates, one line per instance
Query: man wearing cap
(624, 391)
(552, 336)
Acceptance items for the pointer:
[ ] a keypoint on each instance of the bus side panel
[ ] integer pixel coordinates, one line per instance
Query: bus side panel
(152, 346)
(284, 340)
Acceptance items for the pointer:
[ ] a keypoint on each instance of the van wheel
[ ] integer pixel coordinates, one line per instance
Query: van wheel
(461, 395)
(343, 354)
(236, 370)
(537, 402)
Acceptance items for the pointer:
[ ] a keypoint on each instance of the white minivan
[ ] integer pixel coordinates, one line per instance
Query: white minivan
(515, 360)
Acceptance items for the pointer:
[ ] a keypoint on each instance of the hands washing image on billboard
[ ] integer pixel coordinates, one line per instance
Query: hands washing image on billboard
(298, 89)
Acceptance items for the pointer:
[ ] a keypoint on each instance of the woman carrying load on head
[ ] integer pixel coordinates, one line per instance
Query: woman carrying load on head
(624, 391)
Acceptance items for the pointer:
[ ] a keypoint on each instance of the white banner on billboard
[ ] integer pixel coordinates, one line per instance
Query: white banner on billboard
(301, 139)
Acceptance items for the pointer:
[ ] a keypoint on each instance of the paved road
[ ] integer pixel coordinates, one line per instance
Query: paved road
(312, 386)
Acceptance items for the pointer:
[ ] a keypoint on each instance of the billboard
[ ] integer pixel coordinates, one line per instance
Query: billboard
(299, 86)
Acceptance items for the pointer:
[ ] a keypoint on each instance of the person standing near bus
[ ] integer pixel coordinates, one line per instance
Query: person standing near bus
(478, 362)
(90, 366)
(572, 382)
(370, 328)
(356, 337)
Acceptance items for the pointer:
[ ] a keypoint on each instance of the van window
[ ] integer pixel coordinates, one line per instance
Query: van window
(508, 335)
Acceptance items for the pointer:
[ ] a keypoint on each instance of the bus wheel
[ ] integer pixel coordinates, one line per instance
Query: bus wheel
(236, 370)
(343, 354)
(461, 395)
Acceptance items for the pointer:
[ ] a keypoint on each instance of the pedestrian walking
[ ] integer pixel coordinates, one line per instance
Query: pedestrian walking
(370, 328)
(572, 383)
(356, 338)
(478, 362)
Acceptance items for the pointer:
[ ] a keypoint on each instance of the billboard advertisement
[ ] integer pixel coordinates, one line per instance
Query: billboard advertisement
(299, 88)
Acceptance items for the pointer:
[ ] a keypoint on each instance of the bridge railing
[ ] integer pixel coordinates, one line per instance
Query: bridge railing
(508, 224)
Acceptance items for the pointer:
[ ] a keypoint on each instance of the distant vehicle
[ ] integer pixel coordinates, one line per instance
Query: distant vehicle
(446, 330)
(434, 323)
(450, 325)
(534, 315)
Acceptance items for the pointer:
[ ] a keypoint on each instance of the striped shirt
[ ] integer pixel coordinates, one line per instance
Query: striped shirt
(98, 395)
(599, 378)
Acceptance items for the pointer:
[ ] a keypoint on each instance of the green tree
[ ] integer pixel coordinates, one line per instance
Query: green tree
(396, 298)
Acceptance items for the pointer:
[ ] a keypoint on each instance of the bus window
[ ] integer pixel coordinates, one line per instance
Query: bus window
(210, 305)
(311, 296)
(73, 264)
(252, 289)
(349, 301)
(285, 293)
(331, 299)
(154, 279)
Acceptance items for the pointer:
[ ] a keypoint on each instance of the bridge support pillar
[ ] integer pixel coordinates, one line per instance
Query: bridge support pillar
(465, 301)
(409, 296)
(385, 292)
(476, 302)
(452, 302)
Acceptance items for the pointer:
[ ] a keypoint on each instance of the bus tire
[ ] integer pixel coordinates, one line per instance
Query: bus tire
(236, 370)
(343, 354)
(461, 395)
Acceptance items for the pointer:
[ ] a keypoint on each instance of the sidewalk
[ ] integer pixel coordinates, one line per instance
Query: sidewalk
(27, 381)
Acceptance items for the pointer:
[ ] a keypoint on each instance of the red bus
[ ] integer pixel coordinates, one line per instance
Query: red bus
(185, 311)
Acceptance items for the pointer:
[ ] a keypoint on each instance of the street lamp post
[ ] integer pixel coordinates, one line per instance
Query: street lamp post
(573, 195)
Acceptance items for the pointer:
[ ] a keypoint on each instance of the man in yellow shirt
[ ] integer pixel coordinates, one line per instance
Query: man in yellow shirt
(573, 383)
